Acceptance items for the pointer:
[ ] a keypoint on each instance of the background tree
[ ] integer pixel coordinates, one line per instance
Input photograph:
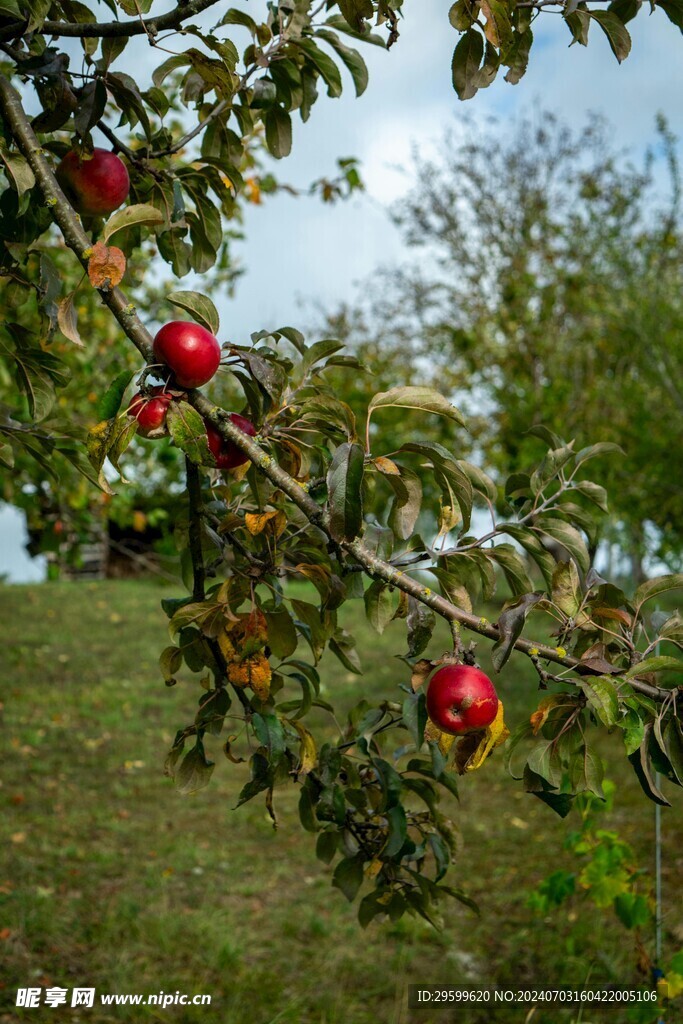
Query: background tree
(546, 291)
(307, 495)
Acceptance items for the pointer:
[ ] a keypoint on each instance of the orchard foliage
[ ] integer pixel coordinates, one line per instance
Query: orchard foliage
(321, 498)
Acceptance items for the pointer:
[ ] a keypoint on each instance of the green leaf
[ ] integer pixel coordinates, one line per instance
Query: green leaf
(634, 730)
(566, 535)
(348, 876)
(351, 58)
(38, 373)
(466, 62)
(415, 716)
(199, 306)
(632, 910)
(270, 734)
(672, 629)
(122, 434)
(602, 697)
(594, 493)
(640, 760)
(616, 32)
(420, 621)
(513, 568)
(657, 586)
(318, 627)
(545, 761)
(673, 743)
(324, 65)
(586, 772)
(415, 397)
(278, 132)
(398, 830)
(170, 660)
(530, 542)
(461, 15)
(18, 170)
(480, 480)
(110, 402)
(326, 845)
(407, 502)
(140, 213)
(510, 625)
(195, 771)
(92, 103)
(452, 480)
(595, 450)
(517, 55)
(187, 429)
(343, 646)
(344, 488)
(659, 663)
(673, 10)
(561, 803)
(379, 605)
(282, 638)
(566, 588)
(356, 12)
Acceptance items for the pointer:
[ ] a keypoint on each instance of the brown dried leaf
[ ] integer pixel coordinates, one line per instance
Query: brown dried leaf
(106, 266)
(421, 670)
(273, 522)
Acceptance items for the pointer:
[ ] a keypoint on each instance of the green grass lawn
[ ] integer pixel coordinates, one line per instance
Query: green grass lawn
(110, 879)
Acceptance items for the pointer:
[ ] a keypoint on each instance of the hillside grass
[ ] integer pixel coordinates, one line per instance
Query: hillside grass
(110, 879)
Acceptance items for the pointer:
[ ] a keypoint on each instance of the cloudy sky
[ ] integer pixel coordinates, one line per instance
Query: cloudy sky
(312, 253)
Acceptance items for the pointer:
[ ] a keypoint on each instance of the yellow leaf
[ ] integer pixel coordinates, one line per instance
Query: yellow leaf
(319, 573)
(540, 715)
(444, 739)
(139, 521)
(272, 522)
(307, 752)
(473, 749)
(260, 675)
(672, 985)
(227, 647)
(373, 868)
(386, 466)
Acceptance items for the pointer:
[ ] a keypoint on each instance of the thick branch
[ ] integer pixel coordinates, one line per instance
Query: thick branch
(63, 214)
(77, 240)
(91, 30)
(194, 493)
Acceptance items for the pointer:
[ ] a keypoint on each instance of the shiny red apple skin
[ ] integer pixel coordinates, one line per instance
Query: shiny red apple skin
(227, 454)
(150, 411)
(189, 350)
(461, 699)
(97, 186)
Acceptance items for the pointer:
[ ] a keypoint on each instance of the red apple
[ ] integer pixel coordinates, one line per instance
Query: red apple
(190, 350)
(227, 454)
(150, 411)
(95, 184)
(461, 699)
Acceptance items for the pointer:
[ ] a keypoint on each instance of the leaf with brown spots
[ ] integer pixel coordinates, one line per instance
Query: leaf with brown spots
(106, 266)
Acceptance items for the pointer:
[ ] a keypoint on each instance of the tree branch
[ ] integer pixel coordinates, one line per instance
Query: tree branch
(92, 30)
(194, 493)
(77, 240)
(63, 214)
